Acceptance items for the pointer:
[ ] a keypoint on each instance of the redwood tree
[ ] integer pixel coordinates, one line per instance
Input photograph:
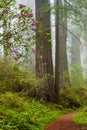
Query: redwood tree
(44, 64)
(63, 62)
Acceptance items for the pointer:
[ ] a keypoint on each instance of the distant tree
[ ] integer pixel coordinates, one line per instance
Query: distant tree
(75, 51)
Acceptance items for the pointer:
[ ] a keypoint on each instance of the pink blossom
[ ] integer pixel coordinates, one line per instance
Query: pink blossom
(33, 28)
(34, 22)
(25, 15)
(31, 14)
(41, 57)
(15, 51)
(16, 57)
(19, 15)
(34, 49)
(21, 5)
(6, 9)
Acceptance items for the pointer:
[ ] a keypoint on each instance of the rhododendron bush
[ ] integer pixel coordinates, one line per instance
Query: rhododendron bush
(17, 29)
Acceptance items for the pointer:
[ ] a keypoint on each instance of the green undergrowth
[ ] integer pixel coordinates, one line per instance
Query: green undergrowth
(15, 77)
(81, 116)
(17, 113)
(73, 97)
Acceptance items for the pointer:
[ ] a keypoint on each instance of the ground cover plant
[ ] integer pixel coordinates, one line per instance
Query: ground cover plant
(18, 111)
(81, 116)
(20, 114)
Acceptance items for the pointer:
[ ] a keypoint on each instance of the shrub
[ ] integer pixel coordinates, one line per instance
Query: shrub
(73, 97)
(15, 77)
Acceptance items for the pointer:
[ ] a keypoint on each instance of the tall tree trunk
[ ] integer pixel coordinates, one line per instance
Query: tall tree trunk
(63, 63)
(57, 73)
(44, 66)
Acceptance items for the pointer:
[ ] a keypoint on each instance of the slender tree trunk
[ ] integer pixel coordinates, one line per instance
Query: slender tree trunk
(57, 73)
(61, 64)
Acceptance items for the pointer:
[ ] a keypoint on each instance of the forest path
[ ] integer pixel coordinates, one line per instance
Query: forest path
(65, 123)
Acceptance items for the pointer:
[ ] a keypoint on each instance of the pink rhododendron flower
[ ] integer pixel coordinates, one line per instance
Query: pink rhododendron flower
(34, 49)
(19, 15)
(15, 51)
(25, 15)
(34, 22)
(16, 57)
(33, 29)
(6, 9)
(21, 5)
(41, 57)
(31, 14)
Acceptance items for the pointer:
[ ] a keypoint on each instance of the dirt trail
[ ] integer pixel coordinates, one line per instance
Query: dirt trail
(65, 123)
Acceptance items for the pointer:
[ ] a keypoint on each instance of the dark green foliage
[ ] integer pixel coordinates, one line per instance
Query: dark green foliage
(18, 114)
(73, 97)
(42, 89)
(15, 77)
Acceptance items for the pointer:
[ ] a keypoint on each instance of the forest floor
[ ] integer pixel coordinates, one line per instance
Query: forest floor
(65, 123)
